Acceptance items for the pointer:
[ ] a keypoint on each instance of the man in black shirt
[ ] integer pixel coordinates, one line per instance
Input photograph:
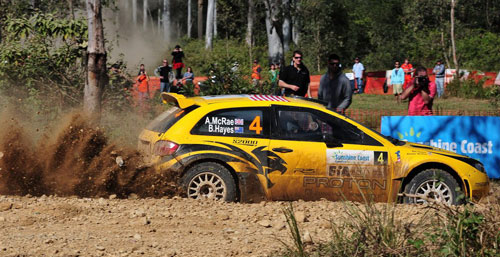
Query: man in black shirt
(295, 78)
(162, 72)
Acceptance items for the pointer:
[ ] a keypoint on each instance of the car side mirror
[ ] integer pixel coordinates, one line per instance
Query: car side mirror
(331, 142)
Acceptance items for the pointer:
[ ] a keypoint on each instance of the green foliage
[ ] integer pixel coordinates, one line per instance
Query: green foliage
(493, 95)
(468, 88)
(479, 50)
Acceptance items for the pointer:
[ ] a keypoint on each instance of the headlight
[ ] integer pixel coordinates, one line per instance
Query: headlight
(479, 166)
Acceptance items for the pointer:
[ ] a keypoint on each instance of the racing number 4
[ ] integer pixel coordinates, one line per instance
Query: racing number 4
(381, 158)
(255, 125)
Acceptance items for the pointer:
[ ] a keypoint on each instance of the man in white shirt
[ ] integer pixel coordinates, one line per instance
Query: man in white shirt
(359, 71)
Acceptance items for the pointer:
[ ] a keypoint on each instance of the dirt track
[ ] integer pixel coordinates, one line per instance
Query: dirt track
(70, 226)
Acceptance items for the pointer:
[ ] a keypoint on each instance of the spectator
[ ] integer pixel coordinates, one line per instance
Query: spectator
(256, 69)
(177, 64)
(163, 72)
(439, 71)
(273, 78)
(295, 78)
(359, 71)
(188, 76)
(408, 69)
(334, 86)
(420, 92)
(143, 86)
(397, 81)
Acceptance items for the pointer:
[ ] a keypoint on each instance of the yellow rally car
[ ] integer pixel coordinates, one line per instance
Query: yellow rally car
(255, 147)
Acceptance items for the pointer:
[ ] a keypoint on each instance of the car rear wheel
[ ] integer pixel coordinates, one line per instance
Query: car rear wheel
(433, 185)
(210, 180)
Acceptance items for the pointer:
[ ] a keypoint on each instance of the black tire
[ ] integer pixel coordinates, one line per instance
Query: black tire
(210, 180)
(434, 184)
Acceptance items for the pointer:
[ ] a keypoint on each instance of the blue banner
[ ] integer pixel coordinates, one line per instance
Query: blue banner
(474, 136)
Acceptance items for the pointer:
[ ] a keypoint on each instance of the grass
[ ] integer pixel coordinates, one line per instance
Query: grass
(378, 230)
(388, 102)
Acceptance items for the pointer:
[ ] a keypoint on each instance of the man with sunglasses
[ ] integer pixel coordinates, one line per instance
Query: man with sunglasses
(163, 72)
(295, 78)
(334, 86)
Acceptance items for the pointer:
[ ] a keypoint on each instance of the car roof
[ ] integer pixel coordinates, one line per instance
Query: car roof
(245, 99)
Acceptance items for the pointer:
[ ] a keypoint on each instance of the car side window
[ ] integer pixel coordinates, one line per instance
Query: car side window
(235, 122)
(346, 133)
(301, 125)
(305, 124)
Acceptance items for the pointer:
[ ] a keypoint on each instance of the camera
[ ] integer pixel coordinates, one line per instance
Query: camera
(422, 82)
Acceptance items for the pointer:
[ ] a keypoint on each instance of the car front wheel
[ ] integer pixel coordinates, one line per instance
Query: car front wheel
(433, 185)
(210, 180)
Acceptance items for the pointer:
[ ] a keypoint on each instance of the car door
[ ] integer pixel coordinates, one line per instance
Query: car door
(326, 157)
(296, 140)
(359, 170)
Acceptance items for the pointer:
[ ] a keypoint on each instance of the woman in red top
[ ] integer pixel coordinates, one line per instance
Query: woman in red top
(177, 64)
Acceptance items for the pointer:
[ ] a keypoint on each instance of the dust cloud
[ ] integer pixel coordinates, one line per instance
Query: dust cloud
(131, 42)
(77, 160)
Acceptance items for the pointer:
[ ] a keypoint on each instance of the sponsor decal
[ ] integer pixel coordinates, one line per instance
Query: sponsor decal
(359, 171)
(244, 142)
(334, 156)
(398, 154)
(350, 183)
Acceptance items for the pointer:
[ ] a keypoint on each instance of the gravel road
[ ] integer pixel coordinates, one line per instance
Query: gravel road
(72, 226)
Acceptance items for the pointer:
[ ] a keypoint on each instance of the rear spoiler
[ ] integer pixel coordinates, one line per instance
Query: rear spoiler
(179, 100)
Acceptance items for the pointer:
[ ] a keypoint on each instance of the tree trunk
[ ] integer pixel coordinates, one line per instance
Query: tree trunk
(215, 18)
(295, 26)
(189, 23)
(159, 21)
(274, 30)
(96, 62)
(287, 29)
(210, 24)
(452, 35)
(134, 12)
(166, 20)
(200, 19)
(144, 14)
(250, 18)
(71, 9)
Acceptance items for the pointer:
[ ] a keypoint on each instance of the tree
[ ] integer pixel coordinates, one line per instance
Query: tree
(189, 22)
(274, 31)
(134, 12)
(200, 19)
(210, 24)
(287, 25)
(144, 14)
(250, 18)
(96, 58)
(166, 20)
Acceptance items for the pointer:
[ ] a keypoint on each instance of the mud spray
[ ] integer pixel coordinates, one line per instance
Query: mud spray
(79, 161)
